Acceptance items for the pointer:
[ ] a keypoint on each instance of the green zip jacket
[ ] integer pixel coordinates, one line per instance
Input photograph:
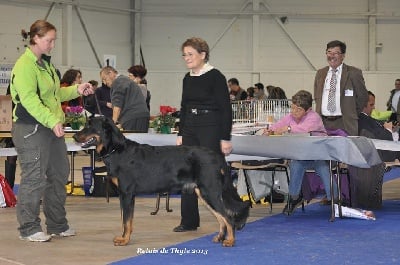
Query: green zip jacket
(36, 92)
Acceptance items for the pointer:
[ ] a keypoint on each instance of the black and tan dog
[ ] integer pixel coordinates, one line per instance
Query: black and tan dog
(139, 168)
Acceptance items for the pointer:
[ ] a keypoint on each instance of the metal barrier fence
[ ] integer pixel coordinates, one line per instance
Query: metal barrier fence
(259, 112)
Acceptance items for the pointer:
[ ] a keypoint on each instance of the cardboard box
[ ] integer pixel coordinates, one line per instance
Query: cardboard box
(5, 113)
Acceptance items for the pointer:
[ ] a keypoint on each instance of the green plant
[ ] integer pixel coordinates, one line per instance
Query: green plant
(164, 119)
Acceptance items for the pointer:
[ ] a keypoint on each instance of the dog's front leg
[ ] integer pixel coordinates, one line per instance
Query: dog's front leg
(127, 202)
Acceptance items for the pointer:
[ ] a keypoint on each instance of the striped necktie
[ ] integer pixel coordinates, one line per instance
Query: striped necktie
(332, 92)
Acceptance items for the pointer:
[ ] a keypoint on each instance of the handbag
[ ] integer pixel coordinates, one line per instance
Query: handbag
(8, 193)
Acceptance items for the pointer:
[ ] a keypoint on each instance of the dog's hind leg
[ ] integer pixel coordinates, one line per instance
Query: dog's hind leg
(127, 202)
(115, 181)
(224, 225)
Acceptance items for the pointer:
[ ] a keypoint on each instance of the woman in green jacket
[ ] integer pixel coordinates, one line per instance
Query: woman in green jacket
(38, 135)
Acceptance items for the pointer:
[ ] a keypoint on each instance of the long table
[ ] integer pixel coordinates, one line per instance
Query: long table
(357, 151)
(353, 150)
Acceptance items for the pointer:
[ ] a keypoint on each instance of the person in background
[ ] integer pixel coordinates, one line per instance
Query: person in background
(103, 95)
(340, 96)
(38, 136)
(393, 102)
(206, 116)
(10, 164)
(250, 93)
(236, 92)
(276, 92)
(302, 119)
(339, 91)
(137, 73)
(71, 77)
(129, 106)
(269, 90)
(90, 102)
(259, 93)
(372, 128)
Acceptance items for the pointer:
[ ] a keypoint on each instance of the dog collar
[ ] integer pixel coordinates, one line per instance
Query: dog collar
(108, 154)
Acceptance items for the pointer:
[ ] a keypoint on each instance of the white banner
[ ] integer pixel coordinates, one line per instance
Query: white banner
(5, 73)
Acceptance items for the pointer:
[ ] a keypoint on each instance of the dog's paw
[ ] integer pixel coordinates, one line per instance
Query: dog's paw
(120, 241)
(228, 243)
(218, 238)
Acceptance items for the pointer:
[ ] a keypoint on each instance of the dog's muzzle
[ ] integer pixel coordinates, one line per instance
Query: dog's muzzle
(91, 142)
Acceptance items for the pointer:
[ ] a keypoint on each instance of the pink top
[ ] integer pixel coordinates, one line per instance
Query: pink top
(310, 122)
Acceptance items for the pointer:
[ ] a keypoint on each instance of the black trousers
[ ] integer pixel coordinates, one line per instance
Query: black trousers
(366, 186)
(207, 136)
(137, 125)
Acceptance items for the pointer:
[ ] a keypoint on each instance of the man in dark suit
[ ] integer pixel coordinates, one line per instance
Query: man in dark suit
(339, 91)
(371, 128)
(366, 183)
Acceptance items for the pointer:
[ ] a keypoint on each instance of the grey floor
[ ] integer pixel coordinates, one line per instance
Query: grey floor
(97, 222)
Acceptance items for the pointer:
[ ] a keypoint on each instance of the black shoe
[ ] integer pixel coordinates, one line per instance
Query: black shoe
(182, 228)
(292, 205)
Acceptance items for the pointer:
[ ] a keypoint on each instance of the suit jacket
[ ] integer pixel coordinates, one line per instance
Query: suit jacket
(371, 128)
(394, 109)
(351, 106)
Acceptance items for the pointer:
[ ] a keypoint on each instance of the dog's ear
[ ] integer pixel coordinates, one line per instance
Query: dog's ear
(114, 135)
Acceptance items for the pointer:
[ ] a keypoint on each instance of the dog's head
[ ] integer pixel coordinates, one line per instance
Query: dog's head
(102, 133)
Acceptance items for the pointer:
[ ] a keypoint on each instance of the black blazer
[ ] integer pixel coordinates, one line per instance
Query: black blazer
(371, 128)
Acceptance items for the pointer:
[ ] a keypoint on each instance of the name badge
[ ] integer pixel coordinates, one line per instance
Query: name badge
(348, 92)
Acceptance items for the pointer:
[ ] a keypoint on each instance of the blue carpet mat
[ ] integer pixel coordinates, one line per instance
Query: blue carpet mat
(303, 238)
(392, 174)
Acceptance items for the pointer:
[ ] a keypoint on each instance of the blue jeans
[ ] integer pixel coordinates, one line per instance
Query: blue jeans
(298, 169)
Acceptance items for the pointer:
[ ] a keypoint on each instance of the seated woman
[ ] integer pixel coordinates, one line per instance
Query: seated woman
(302, 119)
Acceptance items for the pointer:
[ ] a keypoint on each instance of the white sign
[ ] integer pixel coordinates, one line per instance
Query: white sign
(5, 74)
(110, 60)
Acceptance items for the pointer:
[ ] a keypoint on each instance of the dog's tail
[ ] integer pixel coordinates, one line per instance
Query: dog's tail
(236, 208)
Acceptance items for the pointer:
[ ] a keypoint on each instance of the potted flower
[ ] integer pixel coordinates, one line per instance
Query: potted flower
(74, 117)
(164, 121)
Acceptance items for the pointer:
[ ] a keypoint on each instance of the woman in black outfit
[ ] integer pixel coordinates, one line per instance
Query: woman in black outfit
(205, 117)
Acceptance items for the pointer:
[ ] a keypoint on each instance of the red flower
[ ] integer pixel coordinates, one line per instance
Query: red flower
(167, 110)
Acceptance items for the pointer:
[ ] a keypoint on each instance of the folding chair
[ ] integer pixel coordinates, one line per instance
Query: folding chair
(267, 165)
(159, 195)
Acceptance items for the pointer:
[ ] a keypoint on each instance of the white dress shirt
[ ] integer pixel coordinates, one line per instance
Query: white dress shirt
(324, 104)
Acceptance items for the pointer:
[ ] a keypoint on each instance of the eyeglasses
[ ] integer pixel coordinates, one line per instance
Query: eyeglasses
(189, 54)
(333, 53)
(295, 108)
